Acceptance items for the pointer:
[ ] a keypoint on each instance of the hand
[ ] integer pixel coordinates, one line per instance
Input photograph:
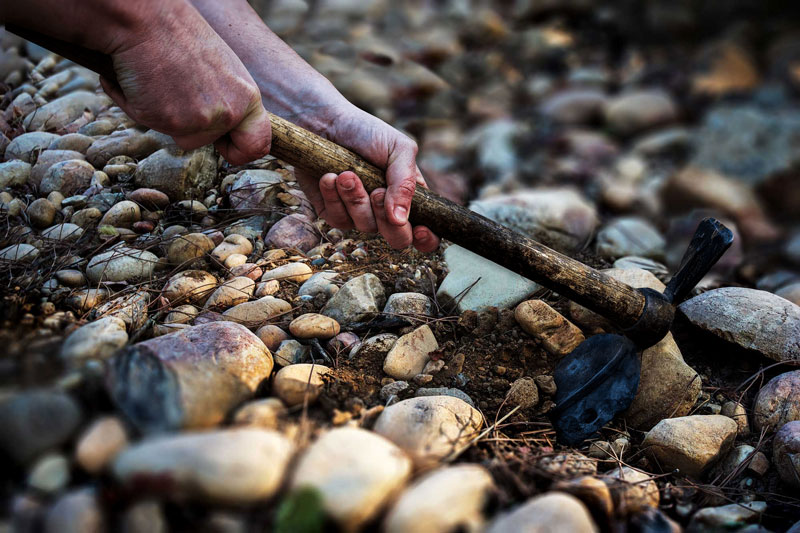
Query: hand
(180, 78)
(342, 200)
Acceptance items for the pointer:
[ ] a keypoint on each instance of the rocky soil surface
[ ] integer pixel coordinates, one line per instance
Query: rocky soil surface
(186, 347)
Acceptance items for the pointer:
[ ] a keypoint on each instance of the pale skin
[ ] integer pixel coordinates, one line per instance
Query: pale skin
(204, 71)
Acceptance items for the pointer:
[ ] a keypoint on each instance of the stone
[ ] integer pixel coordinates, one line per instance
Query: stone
(752, 319)
(67, 177)
(290, 352)
(523, 392)
(632, 491)
(778, 402)
(786, 453)
(87, 299)
(356, 473)
(264, 413)
(184, 249)
(293, 231)
(743, 459)
(224, 467)
(131, 308)
(121, 264)
(299, 383)
(272, 336)
(36, 421)
(190, 378)
(630, 236)
(50, 474)
(319, 283)
(182, 314)
(149, 198)
(790, 292)
(448, 499)
(122, 215)
(358, 299)
(145, 516)
(737, 412)
(77, 511)
(57, 114)
(248, 270)
(19, 253)
(541, 513)
(49, 158)
(374, 347)
(560, 218)
(410, 353)
(96, 340)
(257, 312)
(14, 173)
(232, 292)
(41, 213)
(395, 388)
(574, 106)
(28, 146)
(690, 444)
(74, 142)
(342, 342)
(443, 391)
(100, 443)
(71, 278)
(409, 303)
(593, 492)
(430, 428)
(129, 142)
(86, 218)
(558, 335)
(732, 517)
(182, 175)
(640, 110)
(475, 283)
(255, 189)
(235, 260)
(314, 326)
(65, 232)
(190, 286)
(232, 244)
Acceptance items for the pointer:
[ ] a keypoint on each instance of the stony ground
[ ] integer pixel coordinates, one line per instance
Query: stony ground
(188, 348)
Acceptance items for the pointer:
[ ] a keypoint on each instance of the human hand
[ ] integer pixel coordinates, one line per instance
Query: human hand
(342, 200)
(179, 77)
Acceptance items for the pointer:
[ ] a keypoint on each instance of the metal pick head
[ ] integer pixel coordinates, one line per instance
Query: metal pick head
(595, 382)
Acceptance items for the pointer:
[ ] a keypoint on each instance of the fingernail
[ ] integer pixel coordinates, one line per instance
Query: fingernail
(378, 199)
(420, 234)
(347, 183)
(401, 213)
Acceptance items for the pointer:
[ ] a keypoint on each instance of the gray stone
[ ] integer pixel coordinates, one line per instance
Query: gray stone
(778, 402)
(786, 453)
(320, 283)
(357, 300)
(121, 264)
(630, 236)
(731, 517)
(55, 115)
(65, 232)
(21, 253)
(77, 511)
(28, 146)
(181, 175)
(95, 340)
(255, 189)
(47, 159)
(67, 177)
(441, 391)
(409, 303)
(130, 142)
(574, 106)
(14, 173)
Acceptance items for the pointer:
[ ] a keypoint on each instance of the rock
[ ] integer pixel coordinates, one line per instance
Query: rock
(233, 244)
(523, 392)
(188, 379)
(63, 232)
(410, 353)
(560, 218)
(36, 421)
(67, 177)
(355, 471)
(55, 115)
(742, 459)
(248, 270)
(290, 352)
(690, 443)
(255, 189)
(74, 142)
(257, 312)
(430, 428)
(181, 175)
(641, 263)
(293, 231)
(130, 142)
(778, 402)
(131, 308)
(448, 499)
(272, 336)
(299, 383)
(632, 491)
(100, 443)
(639, 110)
(121, 264)
(95, 340)
(232, 292)
(264, 413)
(443, 391)
(475, 283)
(630, 236)
(225, 467)
(86, 218)
(356, 300)
(786, 453)
(733, 517)
(189, 286)
(297, 272)
(122, 215)
(183, 314)
(753, 319)
(558, 335)
(77, 511)
(184, 249)
(342, 342)
(71, 278)
(591, 491)
(790, 292)
(14, 173)
(145, 516)
(395, 388)
(314, 326)
(374, 347)
(541, 513)
(87, 299)
(20, 253)
(408, 303)
(319, 283)
(41, 213)
(28, 146)
(49, 158)
(737, 412)
(574, 106)
(50, 474)
(149, 198)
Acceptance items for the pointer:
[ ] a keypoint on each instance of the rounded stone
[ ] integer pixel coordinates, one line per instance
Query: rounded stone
(100, 443)
(272, 336)
(523, 392)
(190, 286)
(553, 511)
(67, 177)
(41, 213)
(186, 248)
(232, 292)
(778, 402)
(786, 453)
(299, 383)
(297, 272)
(121, 264)
(314, 326)
(65, 232)
(123, 214)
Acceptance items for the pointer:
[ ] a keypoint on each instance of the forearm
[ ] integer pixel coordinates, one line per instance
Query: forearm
(289, 86)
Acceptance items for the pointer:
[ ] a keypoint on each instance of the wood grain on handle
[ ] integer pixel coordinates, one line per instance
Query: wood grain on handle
(615, 300)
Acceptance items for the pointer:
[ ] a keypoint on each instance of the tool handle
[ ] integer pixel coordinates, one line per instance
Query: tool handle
(615, 300)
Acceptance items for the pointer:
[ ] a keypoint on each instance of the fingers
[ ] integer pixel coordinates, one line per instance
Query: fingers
(356, 202)
(249, 140)
(424, 239)
(396, 236)
(401, 179)
(334, 211)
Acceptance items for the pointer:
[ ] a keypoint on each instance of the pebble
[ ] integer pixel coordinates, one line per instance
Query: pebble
(56, 114)
(410, 353)
(87, 218)
(299, 383)
(290, 352)
(790, 292)
(690, 443)
(122, 215)
(71, 278)
(523, 392)
(558, 335)
(632, 491)
(755, 462)
(732, 517)
(75, 142)
(183, 250)
(96, 340)
(356, 473)
(752, 319)
(235, 260)
(255, 189)
(232, 244)
(65, 232)
(786, 453)
(232, 292)
(320, 283)
(41, 213)
(189, 286)
(408, 303)
(248, 270)
(267, 288)
(149, 198)
(737, 412)
(14, 173)
(430, 428)
(77, 511)
(258, 311)
(293, 231)
(67, 177)
(630, 236)
(574, 106)
(264, 413)
(314, 326)
(541, 513)
(395, 388)
(131, 142)
(20, 253)
(272, 336)
(50, 474)
(121, 264)
(28, 146)
(181, 175)
(778, 402)
(183, 314)
(358, 299)
(639, 110)
(225, 467)
(342, 342)
(100, 443)
(296, 272)
(448, 499)
(145, 516)
(190, 378)
(87, 299)
(592, 492)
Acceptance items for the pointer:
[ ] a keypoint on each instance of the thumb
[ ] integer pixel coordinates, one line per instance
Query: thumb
(249, 140)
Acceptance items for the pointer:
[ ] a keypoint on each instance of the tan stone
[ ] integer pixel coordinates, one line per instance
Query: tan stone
(558, 335)
(410, 353)
(296, 384)
(314, 326)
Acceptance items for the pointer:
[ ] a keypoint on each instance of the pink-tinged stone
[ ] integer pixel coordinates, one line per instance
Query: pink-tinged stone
(294, 231)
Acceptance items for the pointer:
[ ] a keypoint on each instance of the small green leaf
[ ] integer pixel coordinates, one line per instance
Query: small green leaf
(300, 512)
